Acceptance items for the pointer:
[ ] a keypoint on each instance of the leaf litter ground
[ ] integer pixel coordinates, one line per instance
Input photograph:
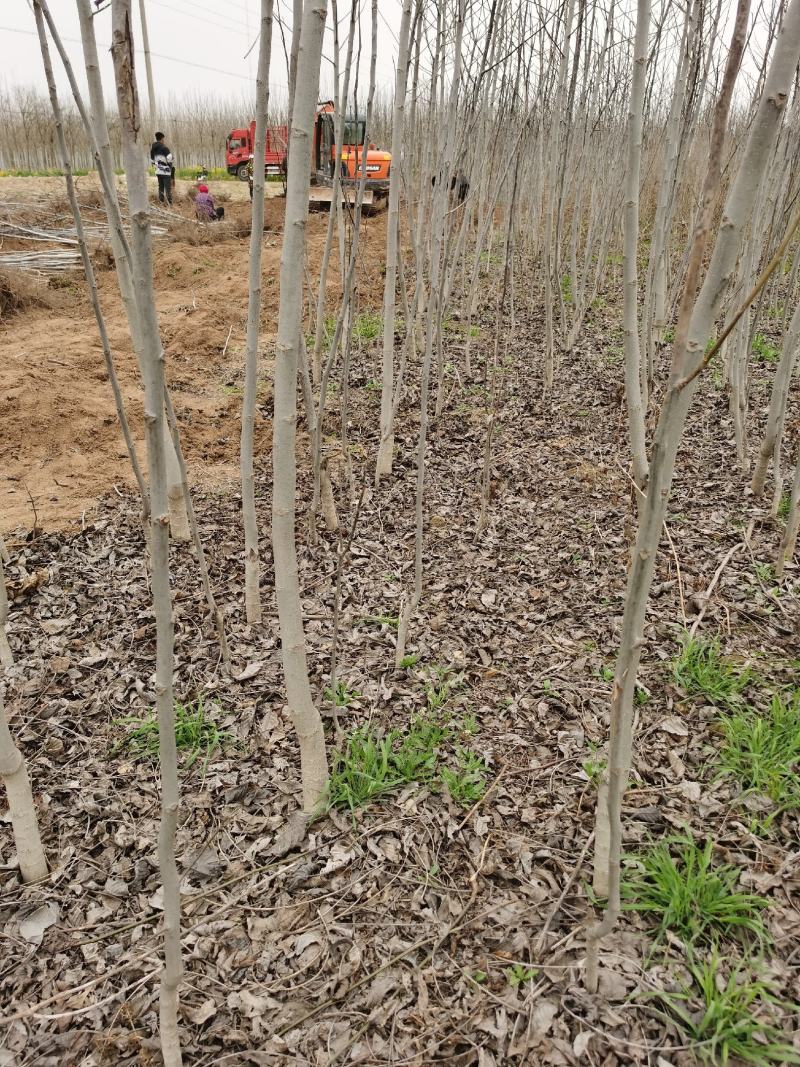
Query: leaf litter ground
(415, 932)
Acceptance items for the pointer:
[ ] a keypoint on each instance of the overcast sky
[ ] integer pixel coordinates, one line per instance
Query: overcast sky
(198, 46)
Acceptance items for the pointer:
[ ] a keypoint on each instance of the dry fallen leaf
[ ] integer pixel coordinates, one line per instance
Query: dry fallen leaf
(34, 926)
(250, 671)
(674, 726)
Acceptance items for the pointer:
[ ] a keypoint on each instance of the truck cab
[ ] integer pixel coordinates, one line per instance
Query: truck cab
(239, 147)
(237, 152)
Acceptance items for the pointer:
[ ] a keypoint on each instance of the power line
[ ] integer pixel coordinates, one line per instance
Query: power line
(158, 55)
(201, 18)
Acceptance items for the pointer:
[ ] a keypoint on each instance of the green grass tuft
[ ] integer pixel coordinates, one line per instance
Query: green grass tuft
(519, 975)
(417, 755)
(677, 884)
(762, 752)
(729, 1020)
(467, 783)
(341, 696)
(701, 670)
(763, 351)
(368, 326)
(196, 733)
(362, 771)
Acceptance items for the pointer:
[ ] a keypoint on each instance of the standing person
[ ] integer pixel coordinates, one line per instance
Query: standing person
(161, 156)
(250, 176)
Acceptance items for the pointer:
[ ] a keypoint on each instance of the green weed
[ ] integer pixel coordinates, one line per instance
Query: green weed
(566, 288)
(416, 757)
(411, 659)
(736, 1020)
(467, 783)
(677, 883)
(470, 724)
(367, 326)
(196, 733)
(341, 696)
(762, 752)
(382, 620)
(763, 351)
(700, 669)
(439, 686)
(785, 506)
(362, 771)
(518, 974)
(594, 767)
(214, 174)
(764, 573)
(51, 173)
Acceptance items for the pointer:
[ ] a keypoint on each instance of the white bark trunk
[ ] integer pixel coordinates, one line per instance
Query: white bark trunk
(694, 326)
(252, 569)
(6, 658)
(88, 270)
(24, 824)
(306, 717)
(789, 541)
(777, 406)
(386, 446)
(122, 50)
(633, 375)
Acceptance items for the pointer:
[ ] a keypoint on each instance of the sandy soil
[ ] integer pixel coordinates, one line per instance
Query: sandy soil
(60, 445)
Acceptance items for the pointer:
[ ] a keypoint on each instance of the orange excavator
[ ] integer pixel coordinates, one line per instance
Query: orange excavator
(358, 161)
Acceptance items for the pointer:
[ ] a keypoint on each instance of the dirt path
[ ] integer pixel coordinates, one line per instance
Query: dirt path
(60, 446)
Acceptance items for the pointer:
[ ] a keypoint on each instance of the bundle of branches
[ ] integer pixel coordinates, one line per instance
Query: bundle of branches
(47, 261)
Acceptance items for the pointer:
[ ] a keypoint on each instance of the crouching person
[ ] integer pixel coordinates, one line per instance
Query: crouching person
(204, 206)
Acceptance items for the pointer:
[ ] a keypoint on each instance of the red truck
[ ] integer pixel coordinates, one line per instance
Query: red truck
(239, 148)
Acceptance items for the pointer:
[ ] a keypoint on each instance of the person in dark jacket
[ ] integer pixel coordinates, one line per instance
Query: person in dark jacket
(161, 157)
(459, 184)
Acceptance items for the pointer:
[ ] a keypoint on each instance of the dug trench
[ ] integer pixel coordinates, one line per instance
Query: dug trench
(425, 927)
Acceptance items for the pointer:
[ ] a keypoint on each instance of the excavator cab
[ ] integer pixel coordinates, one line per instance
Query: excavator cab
(357, 159)
(325, 144)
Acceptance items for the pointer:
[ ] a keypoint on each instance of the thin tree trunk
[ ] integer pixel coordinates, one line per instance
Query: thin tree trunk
(252, 592)
(432, 318)
(24, 824)
(88, 270)
(306, 717)
(205, 578)
(633, 375)
(6, 657)
(122, 50)
(789, 541)
(695, 321)
(97, 130)
(386, 447)
(777, 406)
(344, 318)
